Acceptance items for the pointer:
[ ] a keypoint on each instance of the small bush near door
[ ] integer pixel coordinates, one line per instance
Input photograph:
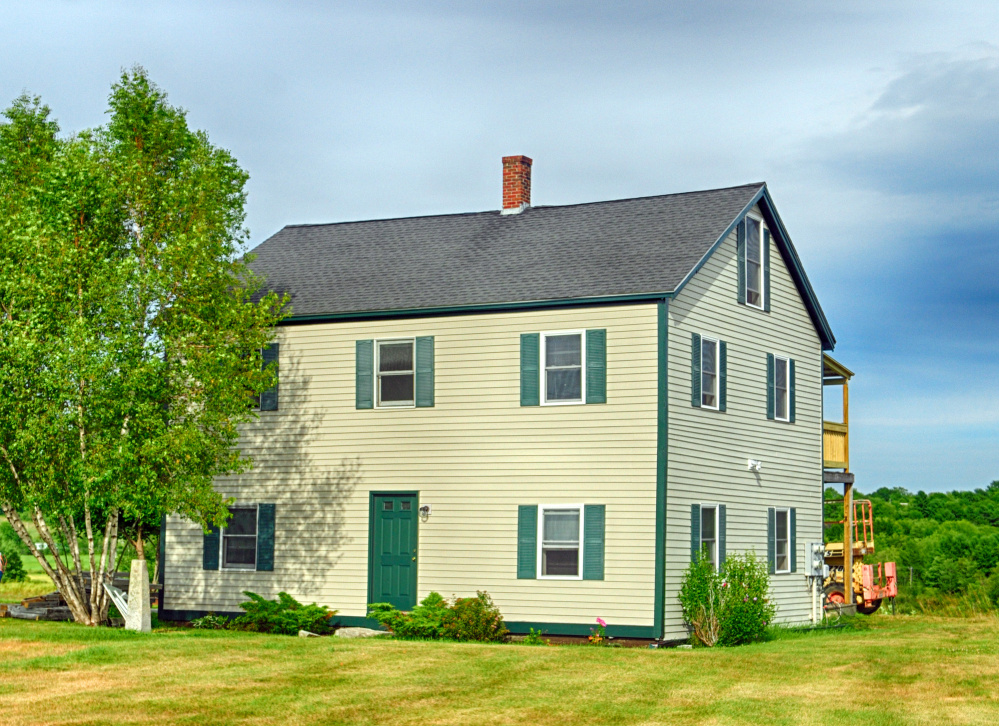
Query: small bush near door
(728, 607)
(467, 618)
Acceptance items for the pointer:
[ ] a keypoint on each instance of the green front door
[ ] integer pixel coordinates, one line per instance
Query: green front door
(392, 554)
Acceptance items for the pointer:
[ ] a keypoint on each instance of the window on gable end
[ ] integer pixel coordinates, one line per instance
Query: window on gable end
(781, 389)
(754, 262)
(709, 373)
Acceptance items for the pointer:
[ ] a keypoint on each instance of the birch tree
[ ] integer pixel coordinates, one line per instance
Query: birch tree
(130, 330)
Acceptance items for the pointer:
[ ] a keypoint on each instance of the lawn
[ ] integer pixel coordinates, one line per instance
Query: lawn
(905, 670)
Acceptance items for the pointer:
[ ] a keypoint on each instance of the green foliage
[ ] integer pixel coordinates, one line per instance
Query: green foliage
(10, 542)
(949, 540)
(466, 619)
(728, 607)
(130, 324)
(535, 637)
(285, 616)
(747, 607)
(14, 571)
(211, 621)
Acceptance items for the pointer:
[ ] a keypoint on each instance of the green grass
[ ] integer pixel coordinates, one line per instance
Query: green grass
(36, 584)
(885, 671)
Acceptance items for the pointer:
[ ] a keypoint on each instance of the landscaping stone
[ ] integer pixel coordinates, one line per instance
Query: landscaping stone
(358, 632)
(307, 634)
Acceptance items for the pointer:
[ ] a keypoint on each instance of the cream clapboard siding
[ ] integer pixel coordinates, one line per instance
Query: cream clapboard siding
(474, 457)
(709, 450)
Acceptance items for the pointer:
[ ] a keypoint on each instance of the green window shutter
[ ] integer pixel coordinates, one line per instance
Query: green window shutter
(790, 390)
(770, 387)
(162, 548)
(365, 374)
(265, 537)
(740, 246)
(695, 370)
(721, 535)
(530, 363)
(766, 270)
(425, 372)
(527, 542)
(596, 366)
(792, 536)
(269, 398)
(722, 376)
(210, 551)
(771, 539)
(593, 541)
(695, 531)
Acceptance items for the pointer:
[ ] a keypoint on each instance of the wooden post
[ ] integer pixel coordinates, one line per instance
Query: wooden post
(848, 543)
(846, 423)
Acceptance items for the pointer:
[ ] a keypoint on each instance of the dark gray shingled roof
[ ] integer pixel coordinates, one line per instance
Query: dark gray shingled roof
(630, 246)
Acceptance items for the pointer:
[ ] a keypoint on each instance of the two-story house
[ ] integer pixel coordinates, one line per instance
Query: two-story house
(557, 405)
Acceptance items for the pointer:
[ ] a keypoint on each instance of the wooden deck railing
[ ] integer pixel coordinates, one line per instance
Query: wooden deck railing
(836, 445)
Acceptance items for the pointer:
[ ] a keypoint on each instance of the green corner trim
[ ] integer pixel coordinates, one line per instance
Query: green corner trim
(662, 451)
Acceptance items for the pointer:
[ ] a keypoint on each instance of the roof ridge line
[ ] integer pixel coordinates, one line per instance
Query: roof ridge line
(539, 206)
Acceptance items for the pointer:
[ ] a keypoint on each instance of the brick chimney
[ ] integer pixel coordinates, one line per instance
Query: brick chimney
(516, 184)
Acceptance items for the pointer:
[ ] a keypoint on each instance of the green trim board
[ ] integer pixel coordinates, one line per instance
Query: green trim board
(522, 627)
(662, 452)
(479, 308)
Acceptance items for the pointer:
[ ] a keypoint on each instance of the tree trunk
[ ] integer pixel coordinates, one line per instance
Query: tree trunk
(70, 585)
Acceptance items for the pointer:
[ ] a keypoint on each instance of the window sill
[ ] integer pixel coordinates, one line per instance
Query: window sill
(239, 568)
(563, 403)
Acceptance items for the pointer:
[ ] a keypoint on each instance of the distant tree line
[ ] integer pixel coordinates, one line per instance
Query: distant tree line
(949, 540)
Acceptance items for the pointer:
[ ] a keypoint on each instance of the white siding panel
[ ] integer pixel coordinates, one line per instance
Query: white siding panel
(475, 456)
(709, 450)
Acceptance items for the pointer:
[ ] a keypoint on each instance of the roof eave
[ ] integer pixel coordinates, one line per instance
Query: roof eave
(475, 308)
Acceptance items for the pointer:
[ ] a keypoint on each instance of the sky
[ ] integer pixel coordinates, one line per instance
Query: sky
(875, 125)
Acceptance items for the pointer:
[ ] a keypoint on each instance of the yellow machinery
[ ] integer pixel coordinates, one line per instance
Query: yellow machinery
(869, 584)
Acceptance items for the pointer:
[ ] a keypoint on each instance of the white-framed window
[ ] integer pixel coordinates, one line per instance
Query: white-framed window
(754, 262)
(782, 541)
(781, 378)
(395, 373)
(560, 537)
(709, 373)
(709, 533)
(563, 379)
(239, 539)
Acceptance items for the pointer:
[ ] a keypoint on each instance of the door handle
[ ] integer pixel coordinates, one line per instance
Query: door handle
(414, 559)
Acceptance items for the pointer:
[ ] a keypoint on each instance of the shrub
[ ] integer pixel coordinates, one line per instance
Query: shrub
(746, 605)
(15, 568)
(728, 607)
(700, 600)
(467, 618)
(285, 616)
(211, 621)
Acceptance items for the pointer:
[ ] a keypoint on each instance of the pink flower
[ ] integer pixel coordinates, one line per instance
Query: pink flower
(601, 623)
